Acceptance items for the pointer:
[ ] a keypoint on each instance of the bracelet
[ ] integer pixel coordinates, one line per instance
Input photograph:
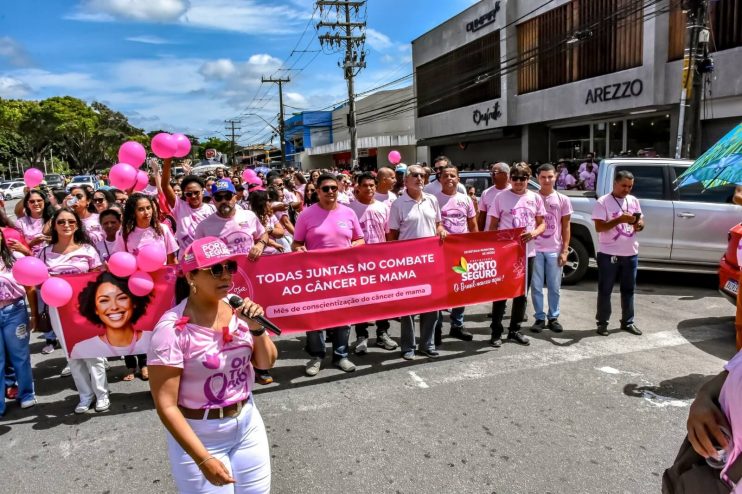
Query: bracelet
(257, 332)
(205, 460)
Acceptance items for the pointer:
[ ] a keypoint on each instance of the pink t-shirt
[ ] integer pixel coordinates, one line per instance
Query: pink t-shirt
(620, 240)
(557, 206)
(388, 198)
(589, 178)
(139, 237)
(322, 229)
(105, 249)
(268, 250)
(216, 373)
(187, 220)
(518, 211)
(93, 228)
(239, 232)
(373, 218)
(10, 289)
(730, 400)
(487, 200)
(565, 180)
(81, 260)
(31, 228)
(455, 210)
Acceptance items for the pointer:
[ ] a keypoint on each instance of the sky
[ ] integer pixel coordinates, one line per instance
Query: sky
(189, 65)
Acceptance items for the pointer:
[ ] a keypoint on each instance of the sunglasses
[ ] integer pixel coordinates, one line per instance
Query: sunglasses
(192, 193)
(217, 270)
(37, 201)
(226, 196)
(417, 175)
(66, 222)
(99, 200)
(329, 188)
(519, 178)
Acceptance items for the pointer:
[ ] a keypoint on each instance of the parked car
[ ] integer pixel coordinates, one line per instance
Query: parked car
(483, 180)
(81, 180)
(729, 266)
(687, 228)
(12, 190)
(54, 181)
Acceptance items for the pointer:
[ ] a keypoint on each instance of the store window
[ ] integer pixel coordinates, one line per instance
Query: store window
(649, 136)
(600, 133)
(570, 142)
(615, 139)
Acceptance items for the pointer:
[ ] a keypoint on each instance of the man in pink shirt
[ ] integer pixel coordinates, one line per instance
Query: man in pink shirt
(517, 208)
(589, 176)
(618, 218)
(500, 173)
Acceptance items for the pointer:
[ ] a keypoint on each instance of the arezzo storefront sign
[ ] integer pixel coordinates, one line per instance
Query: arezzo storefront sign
(610, 92)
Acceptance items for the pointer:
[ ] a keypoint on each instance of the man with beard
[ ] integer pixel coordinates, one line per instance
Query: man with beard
(241, 230)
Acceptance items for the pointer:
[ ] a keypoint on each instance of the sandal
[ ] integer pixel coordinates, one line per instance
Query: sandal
(145, 374)
(130, 375)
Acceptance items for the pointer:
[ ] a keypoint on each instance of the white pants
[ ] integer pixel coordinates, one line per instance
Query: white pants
(90, 378)
(239, 442)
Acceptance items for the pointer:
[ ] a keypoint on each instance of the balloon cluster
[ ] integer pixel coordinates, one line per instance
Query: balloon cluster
(126, 174)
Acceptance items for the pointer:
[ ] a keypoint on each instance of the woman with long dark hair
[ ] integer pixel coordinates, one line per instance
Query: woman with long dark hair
(275, 196)
(80, 200)
(34, 224)
(14, 330)
(102, 200)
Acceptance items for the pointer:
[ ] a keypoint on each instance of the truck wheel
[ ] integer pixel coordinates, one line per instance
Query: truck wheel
(577, 262)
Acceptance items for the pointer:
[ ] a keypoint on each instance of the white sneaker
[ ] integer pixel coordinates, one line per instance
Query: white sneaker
(106, 363)
(47, 349)
(313, 366)
(82, 407)
(102, 405)
(66, 372)
(28, 403)
(361, 346)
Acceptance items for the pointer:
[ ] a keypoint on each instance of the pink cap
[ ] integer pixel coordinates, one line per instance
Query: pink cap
(203, 253)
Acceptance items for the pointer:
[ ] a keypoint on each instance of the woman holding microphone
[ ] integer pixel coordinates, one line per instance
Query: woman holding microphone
(201, 361)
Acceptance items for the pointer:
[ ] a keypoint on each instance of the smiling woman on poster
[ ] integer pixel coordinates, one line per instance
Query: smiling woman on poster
(108, 302)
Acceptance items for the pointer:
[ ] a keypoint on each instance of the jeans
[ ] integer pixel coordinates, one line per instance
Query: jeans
(240, 443)
(517, 312)
(90, 378)
(339, 337)
(382, 326)
(428, 320)
(456, 316)
(134, 361)
(546, 268)
(14, 336)
(625, 270)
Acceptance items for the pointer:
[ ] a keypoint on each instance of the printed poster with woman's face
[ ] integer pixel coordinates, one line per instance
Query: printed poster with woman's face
(105, 319)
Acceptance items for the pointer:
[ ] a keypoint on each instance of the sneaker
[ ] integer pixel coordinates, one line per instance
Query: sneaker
(345, 365)
(410, 355)
(361, 346)
(496, 342)
(102, 405)
(631, 328)
(82, 407)
(313, 366)
(429, 353)
(460, 333)
(555, 326)
(28, 403)
(603, 329)
(519, 338)
(538, 326)
(386, 342)
(11, 392)
(263, 377)
(48, 348)
(66, 372)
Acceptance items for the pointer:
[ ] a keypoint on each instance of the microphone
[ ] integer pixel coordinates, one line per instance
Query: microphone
(235, 301)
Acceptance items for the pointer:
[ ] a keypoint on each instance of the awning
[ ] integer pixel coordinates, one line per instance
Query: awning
(362, 142)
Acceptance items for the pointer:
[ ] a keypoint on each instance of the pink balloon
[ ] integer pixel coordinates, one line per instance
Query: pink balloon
(250, 177)
(164, 145)
(141, 283)
(56, 292)
(33, 177)
(30, 271)
(394, 157)
(151, 257)
(183, 145)
(122, 264)
(133, 153)
(123, 176)
(142, 180)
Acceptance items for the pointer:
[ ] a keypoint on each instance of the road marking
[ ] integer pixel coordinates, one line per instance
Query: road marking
(664, 401)
(418, 380)
(608, 370)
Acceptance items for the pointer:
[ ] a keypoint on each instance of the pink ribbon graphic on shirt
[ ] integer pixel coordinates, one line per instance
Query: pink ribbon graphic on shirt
(180, 324)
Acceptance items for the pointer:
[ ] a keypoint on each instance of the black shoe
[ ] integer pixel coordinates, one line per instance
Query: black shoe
(429, 353)
(460, 333)
(603, 329)
(538, 326)
(631, 328)
(555, 326)
(496, 342)
(519, 338)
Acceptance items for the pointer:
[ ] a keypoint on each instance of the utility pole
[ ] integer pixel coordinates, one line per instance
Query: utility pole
(231, 128)
(696, 49)
(355, 55)
(281, 124)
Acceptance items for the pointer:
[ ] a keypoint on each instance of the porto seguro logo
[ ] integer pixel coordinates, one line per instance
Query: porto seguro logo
(475, 273)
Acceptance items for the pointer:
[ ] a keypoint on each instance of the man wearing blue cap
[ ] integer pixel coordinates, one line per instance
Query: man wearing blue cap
(240, 229)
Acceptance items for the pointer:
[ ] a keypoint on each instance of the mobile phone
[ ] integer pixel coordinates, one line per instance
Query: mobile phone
(637, 217)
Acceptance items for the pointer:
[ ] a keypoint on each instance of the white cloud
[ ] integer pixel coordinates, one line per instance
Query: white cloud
(378, 41)
(42, 79)
(150, 40)
(13, 88)
(136, 10)
(161, 75)
(14, 53)
(218, 69)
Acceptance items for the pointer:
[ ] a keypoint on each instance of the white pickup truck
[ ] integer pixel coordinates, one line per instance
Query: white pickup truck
(686, 229)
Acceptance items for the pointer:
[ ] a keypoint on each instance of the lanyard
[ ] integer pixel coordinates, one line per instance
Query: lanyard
(619, 204)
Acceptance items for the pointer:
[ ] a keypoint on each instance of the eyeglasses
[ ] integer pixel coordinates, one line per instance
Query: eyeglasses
(66, 222)
(417, 175)
(192, 193)
(328, 188)
(36, 201)
(519, 178)
(99, 200)
(224, 196)
(217, 270)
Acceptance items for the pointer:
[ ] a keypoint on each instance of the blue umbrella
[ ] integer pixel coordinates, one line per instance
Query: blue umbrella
(720, 165)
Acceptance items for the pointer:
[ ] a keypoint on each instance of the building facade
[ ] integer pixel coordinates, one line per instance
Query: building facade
(533, 80)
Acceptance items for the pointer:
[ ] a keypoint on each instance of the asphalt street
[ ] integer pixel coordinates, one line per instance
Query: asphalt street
(573, 413)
